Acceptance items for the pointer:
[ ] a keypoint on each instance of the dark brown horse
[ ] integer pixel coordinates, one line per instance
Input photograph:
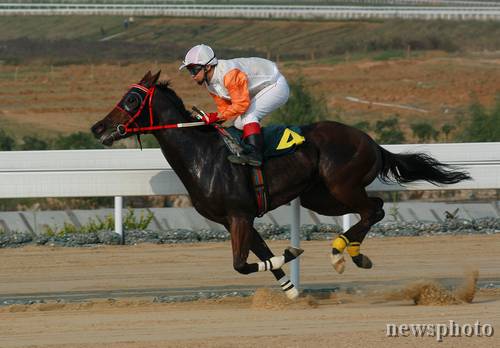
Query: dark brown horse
(329, 173)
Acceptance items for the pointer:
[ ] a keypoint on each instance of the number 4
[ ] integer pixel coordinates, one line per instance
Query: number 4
(289, 139)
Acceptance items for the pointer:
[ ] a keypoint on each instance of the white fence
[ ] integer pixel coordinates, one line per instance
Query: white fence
(97, 173)
(256, 11)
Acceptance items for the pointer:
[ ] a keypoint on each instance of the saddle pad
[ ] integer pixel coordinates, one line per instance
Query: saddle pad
(278, 140)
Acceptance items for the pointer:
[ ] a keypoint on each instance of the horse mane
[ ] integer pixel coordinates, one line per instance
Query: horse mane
(179, 104)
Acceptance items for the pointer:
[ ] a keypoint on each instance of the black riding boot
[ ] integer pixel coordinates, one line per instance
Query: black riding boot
(253, 156)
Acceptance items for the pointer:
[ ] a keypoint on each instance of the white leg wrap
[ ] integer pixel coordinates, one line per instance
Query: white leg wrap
(275, 262)
(287, 286)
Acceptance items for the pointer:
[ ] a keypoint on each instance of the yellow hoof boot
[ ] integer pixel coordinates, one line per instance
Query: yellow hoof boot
(340, 243)
(353, 249)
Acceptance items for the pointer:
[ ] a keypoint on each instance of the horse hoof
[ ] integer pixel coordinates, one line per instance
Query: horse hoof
(338, 262)
(362, 261)
(292, 253)
(292, 294)
(295, 251)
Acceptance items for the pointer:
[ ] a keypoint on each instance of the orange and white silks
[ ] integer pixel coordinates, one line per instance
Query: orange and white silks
(247, 89)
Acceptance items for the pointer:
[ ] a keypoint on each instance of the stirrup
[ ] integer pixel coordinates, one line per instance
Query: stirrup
(244, 159)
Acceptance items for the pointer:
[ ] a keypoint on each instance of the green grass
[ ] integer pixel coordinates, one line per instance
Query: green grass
(388, 55)
(130, 222)
(58, 27)
(67, 39)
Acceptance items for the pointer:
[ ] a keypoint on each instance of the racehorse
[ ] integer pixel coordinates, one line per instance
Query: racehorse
(329, 172)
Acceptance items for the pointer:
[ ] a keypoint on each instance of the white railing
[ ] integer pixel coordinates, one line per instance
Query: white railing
(97, 173)
(489, 12)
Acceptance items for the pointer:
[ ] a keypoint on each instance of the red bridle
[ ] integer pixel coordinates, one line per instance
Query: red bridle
(148, 98)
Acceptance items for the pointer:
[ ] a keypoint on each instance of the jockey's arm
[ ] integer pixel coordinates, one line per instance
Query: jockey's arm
(236, 83)
(222, 104)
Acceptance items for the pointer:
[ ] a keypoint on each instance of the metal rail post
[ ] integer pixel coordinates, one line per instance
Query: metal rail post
(118, 218)
(295, 241)
(346, 221)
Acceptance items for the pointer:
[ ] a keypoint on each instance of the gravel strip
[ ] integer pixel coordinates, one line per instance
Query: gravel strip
(267, 231)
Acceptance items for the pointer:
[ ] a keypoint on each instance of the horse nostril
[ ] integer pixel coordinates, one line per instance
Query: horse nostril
(98, 129)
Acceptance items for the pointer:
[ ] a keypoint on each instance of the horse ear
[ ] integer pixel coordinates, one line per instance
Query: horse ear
(146, 77)
(154, 78)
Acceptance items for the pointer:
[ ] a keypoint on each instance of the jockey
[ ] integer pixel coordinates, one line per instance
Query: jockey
(244, 90)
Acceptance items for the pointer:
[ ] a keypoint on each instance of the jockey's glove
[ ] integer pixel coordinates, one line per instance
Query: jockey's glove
(210, 117)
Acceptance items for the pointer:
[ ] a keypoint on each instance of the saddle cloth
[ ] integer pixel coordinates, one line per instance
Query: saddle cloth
(278, 140)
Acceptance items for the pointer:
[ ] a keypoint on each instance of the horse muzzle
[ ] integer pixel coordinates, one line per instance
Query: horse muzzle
(110, 138)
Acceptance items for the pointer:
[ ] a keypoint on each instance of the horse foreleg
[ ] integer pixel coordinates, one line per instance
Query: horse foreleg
(241, 240)
(240, 229)
(260, 248)
(242, 234)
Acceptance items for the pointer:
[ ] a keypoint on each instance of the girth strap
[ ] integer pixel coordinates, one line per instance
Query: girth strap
(258, 182)
(260, 188)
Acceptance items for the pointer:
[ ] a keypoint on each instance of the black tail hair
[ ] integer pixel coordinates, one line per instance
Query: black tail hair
(407, 167)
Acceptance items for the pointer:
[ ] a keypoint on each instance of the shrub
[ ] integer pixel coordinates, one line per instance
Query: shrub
(424, 131)
(446, 129)
(130, 222)
(77, 141)
(364, 126)
(389, 132)
(303, 106)
(7, 143)
(34, 143)
(481, 125)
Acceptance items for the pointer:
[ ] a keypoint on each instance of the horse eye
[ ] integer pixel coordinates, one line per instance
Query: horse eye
(131, 102)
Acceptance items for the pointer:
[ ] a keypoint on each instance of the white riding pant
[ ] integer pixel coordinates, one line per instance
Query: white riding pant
(265, 102)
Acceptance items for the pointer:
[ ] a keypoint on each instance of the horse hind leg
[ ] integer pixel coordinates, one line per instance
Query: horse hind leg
(353, 248)
(320, 200)
(344, 201)
(370, 210)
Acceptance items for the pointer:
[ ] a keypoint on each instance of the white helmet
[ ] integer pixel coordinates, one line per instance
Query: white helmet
(199, 55)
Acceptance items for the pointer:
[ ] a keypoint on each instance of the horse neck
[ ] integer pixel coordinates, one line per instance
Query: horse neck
(188, 150)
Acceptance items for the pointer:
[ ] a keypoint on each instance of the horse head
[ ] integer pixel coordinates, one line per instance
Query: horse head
(134, 109)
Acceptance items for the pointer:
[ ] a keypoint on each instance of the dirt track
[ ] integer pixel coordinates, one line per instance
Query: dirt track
(347, 318)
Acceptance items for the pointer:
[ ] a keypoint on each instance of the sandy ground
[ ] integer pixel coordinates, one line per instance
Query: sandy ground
(348, 318)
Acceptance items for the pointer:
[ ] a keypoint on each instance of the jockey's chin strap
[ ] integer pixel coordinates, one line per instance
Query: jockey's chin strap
(132, 127)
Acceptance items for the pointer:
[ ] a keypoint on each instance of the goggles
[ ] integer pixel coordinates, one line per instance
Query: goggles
(194, 69)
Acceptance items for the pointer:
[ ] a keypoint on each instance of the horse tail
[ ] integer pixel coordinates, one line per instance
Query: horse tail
(407, 167)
